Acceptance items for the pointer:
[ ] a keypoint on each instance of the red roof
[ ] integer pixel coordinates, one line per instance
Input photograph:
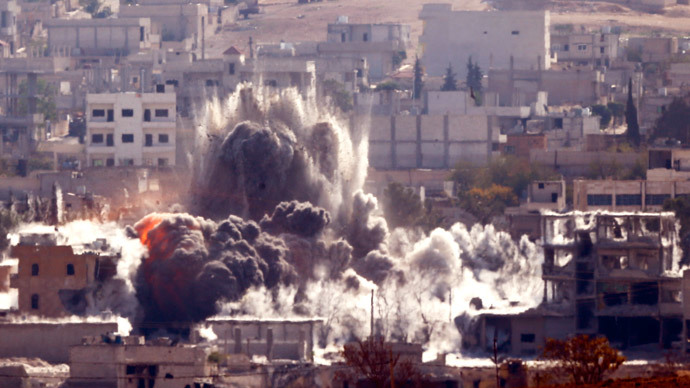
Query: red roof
(232, 51)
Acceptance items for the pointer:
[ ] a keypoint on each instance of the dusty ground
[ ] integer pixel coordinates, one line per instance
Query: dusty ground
(287, 20)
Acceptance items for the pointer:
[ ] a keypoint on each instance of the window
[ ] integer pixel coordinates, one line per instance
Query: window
(110, 162)
(109, 140)
(70, 269)
(128, 113)
(161, 113)
(656, 199)
(541, 186)
(343, 37)
(34, 269)
(98, 113)
(128, 138)
(97, 162)
(148, 140)
(162, 162)
(629, 199)
(147, 115)
(554, 197)
(601, 50)
(172, 82)
(127, 162)
(510, 150)
(365, 37)
(527, 338)
(211, 82)
(111, 115)
(141, 34)
(96, 138)
(566, 47)
(581, 47)
(34, 302)
(515, 32)
(162, 138)
(599, 200)
(558, 123)
(231, 70)
(160, 88)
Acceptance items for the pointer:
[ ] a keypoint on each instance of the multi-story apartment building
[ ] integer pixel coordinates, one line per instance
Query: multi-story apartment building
(585, 48)
(131, 129)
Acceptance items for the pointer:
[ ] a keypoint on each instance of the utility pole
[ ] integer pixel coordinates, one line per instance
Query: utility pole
(371, 319)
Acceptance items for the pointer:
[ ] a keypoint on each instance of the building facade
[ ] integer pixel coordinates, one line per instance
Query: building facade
(493, 39)
(131, 129)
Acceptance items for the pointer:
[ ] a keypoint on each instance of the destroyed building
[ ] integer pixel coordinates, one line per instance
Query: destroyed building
(611, 274)
(56, 280)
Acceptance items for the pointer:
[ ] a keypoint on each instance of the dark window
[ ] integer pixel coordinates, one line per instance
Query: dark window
(656, 199)
(147, 114)
(141, 34)
(34, 269)
(365, 37)
(495, 146)
(111, 115)
(558, 123)
(211, 82)
(130, 370)
(529, 338)
(148, 140)
(128, 138)
(128, 162)
(96, 138)
(98, 113)
(515, 32)
(160, 88)
(34, 301)
(231, 70)
(128, 113)
(70, 269)
(162, 162)
(629, 199)
(601, 50)
(162, 138)
(161, 113)
(109, 140)
(566, 47)
(510, 149)
(110, 162)
(342, 37)
(599, 200)
(541, 186)
(172, 82)
(554, 197)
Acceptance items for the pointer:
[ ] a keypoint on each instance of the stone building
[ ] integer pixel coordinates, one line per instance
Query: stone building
(98, 37)
(55, 280)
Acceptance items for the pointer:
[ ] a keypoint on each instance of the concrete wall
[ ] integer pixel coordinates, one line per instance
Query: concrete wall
(490, 38)
(99, 36)
(578, 163)
(651, 193)
(47, 341)
(429, 141)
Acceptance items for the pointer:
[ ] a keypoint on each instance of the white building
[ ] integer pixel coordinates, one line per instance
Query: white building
(130, 129)
(493, 39)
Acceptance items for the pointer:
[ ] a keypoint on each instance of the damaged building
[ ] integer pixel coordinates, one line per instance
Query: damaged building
(56, 280)
(611, 274)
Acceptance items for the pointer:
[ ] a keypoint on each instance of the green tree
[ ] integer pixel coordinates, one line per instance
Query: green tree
(388, 85)
(340, 97)
(401, 205)
(398, 58)
(474, 76)
(585, 359)
(418, 85)
(633, 132)
(604, 114)
(675, 121)
(449, 82)
(45, 99)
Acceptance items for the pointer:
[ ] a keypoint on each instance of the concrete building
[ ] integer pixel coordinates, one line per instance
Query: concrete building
(48, 340)
(576, 163)
(59, 280)
(611, 274)
(378, 44)
(679, 74)
(130, 362)
(98, 37)
(494, 40)
(521, 144)
(429, 141)
(9, 11)
(585, 48)
(653, 49)
(276, 339)
(131, 129)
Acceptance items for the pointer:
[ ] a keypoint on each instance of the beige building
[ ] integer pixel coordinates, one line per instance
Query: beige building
(55, 280)
(595, 48)
(131, 129)
(634, 195)
(653, 49)
(98, 37)
(130, 362)
(494, 40)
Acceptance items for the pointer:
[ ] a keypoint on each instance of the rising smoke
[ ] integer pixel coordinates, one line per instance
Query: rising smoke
(281, 228)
